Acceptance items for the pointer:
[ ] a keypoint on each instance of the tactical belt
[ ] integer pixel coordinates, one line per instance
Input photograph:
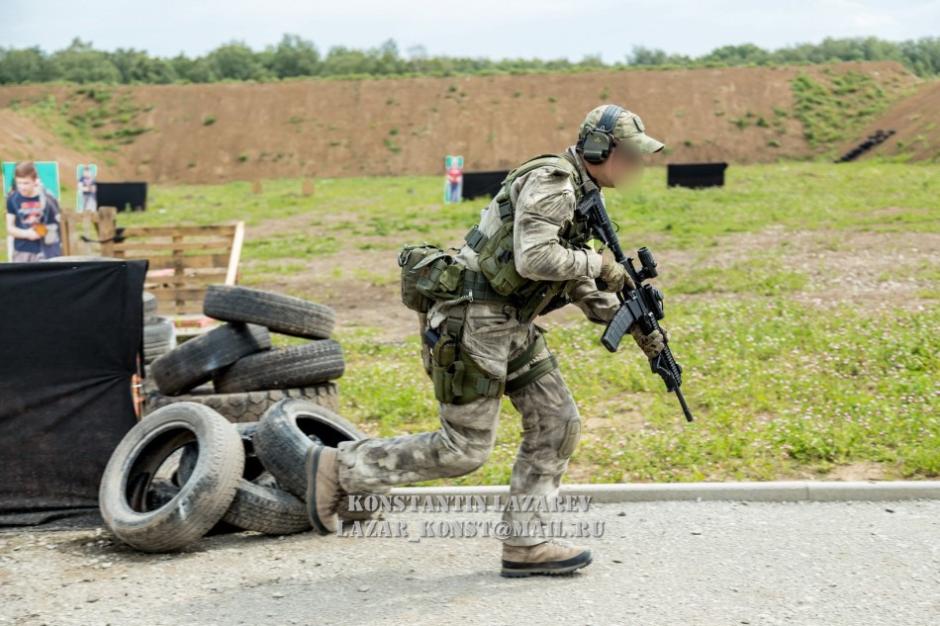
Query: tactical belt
(476, 288)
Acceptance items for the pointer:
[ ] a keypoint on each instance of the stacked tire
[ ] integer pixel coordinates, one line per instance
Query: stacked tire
(185, 471)
(159, 332)
(247, 375)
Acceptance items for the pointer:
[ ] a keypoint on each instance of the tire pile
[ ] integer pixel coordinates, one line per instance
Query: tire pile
(185, 471)
(247, 376)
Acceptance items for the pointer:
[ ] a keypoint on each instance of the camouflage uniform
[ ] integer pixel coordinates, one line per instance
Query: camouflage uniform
(543, 200)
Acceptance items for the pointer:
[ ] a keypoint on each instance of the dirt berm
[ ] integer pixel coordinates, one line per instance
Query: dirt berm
(243, 131)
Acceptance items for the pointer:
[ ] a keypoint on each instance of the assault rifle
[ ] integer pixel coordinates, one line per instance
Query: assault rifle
(642, 305)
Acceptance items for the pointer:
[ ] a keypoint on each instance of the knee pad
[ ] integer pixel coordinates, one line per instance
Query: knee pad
(471, 460)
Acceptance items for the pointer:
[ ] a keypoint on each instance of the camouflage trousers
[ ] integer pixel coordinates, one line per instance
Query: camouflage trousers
(551, 426)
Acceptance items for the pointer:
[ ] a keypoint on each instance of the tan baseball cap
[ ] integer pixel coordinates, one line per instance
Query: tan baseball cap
(628, 129)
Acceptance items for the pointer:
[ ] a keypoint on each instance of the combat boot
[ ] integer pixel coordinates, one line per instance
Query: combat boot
(549, 558)
(323, 491)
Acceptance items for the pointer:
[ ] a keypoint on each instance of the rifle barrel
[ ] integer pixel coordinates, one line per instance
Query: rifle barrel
(685, 407)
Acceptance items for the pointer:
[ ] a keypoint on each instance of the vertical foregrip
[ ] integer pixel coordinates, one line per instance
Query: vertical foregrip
(664, 364)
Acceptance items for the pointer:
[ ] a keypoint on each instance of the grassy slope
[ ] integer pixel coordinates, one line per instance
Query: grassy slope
(781, 387)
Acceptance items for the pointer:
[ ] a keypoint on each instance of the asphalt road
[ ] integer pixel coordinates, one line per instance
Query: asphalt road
(656, 563)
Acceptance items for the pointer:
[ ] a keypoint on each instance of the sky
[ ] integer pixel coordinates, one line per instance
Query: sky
(483, 28)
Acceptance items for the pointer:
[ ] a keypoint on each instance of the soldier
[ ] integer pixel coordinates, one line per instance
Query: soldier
(528, 255)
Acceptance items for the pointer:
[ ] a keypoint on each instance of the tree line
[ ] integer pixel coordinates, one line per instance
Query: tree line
(295, 57)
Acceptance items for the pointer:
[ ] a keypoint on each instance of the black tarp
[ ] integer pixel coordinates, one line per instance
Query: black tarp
(69, 338)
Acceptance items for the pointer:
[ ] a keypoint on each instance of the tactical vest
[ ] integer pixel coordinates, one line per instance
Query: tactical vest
(496, 256)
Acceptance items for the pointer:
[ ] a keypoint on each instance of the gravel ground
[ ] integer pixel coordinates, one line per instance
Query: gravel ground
(680, 563)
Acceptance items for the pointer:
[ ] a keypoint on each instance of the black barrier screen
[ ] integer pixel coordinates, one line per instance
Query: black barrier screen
(696, 175)
(476, 184)
(123, 196)
(69, 338)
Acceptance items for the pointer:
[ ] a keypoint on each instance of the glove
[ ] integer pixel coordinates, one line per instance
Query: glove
(614, 276)
(651, 344)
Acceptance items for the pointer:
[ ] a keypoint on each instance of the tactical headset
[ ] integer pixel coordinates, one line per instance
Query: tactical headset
(596, 142)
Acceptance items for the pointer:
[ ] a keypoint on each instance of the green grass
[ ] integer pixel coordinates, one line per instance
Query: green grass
(96, 120)
(803, 196)
(765, 277)
(832, 108)
(777, 388)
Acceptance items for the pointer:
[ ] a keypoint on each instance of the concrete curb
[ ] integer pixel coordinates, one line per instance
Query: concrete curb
(781, 491)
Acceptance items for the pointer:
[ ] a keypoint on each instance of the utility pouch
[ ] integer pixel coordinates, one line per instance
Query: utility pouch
(444, 368)
(439, 277)
(427, 274)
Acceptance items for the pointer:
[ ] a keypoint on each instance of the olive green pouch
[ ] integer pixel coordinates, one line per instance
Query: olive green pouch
(427, 274)
(497, 263)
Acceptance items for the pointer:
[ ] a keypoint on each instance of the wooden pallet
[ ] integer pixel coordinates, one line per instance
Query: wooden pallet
(184, 260)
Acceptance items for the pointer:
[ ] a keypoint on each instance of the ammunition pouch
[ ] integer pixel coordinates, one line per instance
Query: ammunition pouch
(428, 274)
(496, 253)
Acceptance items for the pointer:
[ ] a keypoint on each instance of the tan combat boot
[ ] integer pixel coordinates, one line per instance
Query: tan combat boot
(549, 558)
(323, 490)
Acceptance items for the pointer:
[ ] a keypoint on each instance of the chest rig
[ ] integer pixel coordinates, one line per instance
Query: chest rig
(496, 254)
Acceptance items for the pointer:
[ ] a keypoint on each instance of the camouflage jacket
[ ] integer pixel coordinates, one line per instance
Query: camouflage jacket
(544, 201)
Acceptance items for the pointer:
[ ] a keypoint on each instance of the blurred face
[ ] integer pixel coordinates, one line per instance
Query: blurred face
(621, 168)
(27, 186)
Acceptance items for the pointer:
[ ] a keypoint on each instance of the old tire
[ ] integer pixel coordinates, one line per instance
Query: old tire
(159, 338)
(160, 493)
(259, 504)
(251, 405)
(267, 510)
(296, 366)
(150, 307)
(283, 438)
(282, 314)
(201, 501)
(194, 362)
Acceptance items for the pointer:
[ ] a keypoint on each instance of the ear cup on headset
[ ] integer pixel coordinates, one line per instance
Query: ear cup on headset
(595, 147)
(597, 142)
